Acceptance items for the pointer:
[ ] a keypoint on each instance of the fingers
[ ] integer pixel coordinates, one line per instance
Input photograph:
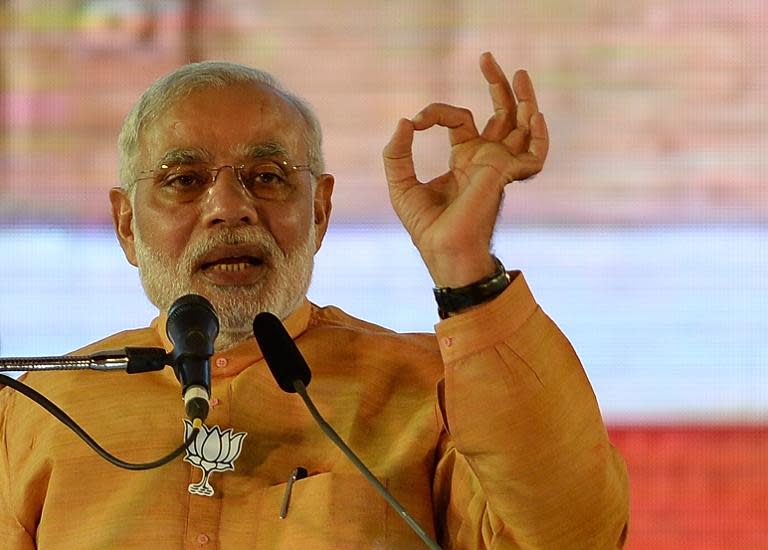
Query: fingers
(504, 105)
(398, 158)
(530, 162)
(517, 131)
(459, 121)
(519, 139)
(513, 106)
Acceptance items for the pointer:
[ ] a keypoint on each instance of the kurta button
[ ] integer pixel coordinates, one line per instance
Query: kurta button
(221, 362)
(448, 341)
(214, 402)
(202, 538)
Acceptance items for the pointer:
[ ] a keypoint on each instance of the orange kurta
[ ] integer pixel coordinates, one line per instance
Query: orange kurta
(487, 432)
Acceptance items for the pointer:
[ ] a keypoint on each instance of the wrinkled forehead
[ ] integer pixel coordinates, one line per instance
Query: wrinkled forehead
(225, 122)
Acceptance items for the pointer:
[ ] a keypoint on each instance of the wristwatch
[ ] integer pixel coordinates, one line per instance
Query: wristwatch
(452, 300)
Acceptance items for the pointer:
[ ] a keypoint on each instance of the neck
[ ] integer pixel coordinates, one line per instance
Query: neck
(227, 339)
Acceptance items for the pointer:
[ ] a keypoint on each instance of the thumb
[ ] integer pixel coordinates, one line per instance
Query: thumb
(398, 158)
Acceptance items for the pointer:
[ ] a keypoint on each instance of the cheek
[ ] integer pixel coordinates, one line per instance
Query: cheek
(289, 226)
(165, 230)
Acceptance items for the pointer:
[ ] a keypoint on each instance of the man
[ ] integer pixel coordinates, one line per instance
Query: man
(487, 432)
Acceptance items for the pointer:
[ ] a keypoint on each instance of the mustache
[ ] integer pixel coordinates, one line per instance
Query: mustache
(255, 237)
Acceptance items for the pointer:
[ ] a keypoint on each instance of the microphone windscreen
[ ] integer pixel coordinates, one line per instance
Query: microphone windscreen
(192, 325)
(280, 352)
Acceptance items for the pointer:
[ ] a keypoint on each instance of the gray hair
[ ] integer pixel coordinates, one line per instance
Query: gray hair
(174, 86)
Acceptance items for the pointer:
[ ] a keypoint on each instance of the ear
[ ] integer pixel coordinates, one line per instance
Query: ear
(122, 220)
(323, 191)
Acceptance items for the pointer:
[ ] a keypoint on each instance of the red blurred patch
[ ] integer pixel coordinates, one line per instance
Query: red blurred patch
(696, 487)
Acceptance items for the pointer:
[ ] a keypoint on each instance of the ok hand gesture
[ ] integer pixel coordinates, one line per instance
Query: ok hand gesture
(452, 217)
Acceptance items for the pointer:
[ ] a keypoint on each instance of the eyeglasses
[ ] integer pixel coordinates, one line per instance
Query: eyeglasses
(261, 179)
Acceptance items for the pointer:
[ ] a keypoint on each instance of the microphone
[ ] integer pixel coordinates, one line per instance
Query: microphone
(192, 327)
(283, 357)
(292, 374)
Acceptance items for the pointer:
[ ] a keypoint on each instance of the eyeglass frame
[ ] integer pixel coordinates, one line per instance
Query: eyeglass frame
(284, 164)
(236, 168)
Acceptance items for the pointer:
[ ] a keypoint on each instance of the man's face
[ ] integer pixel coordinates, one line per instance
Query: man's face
(244, 253)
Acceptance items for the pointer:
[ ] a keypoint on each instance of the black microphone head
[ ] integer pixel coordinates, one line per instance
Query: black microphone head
(192, 326)
(283, 357)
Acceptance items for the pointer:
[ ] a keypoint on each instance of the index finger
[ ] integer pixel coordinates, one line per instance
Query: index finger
(458, 120)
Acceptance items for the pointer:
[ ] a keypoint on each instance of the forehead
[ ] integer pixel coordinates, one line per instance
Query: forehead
(224, 121)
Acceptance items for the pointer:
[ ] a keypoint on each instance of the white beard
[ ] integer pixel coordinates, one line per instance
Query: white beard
(280, 291)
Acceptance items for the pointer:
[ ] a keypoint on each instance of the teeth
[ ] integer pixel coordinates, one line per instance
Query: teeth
(231, 267)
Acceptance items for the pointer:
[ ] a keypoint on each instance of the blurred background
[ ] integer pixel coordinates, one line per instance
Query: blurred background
(645, 237)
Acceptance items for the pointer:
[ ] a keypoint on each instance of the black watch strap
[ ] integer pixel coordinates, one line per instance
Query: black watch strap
(452, 300)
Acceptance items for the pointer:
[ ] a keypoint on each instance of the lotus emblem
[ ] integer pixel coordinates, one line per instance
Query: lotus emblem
(212, 450)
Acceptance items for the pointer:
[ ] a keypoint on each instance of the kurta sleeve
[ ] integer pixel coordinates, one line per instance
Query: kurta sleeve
(525, 460)
(12, 532)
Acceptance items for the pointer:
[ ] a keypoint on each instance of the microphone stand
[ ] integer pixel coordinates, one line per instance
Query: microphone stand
(131, 359)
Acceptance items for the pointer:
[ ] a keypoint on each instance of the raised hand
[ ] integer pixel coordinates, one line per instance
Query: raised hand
(452, 217)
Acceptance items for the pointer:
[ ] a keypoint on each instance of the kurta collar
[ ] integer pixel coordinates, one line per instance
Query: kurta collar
(245, 354)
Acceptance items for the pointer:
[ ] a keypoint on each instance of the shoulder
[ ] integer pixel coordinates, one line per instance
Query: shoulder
(340, 344)
(334, 318)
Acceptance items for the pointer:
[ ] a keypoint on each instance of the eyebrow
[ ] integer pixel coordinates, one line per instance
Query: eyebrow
(264, 150)
(184, 155)
(189, 155)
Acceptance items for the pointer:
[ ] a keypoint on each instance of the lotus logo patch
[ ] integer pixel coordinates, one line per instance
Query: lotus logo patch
(212, 451)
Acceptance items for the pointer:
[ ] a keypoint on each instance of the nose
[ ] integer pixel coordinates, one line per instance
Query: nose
(227, 202)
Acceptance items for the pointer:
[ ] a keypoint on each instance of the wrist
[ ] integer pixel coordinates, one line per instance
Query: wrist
(456, 271)
(451, 300)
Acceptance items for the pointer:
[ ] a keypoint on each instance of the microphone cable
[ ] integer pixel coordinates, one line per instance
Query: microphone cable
(65, 419)
(192, 327)
(339, 442)
(293, 375)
